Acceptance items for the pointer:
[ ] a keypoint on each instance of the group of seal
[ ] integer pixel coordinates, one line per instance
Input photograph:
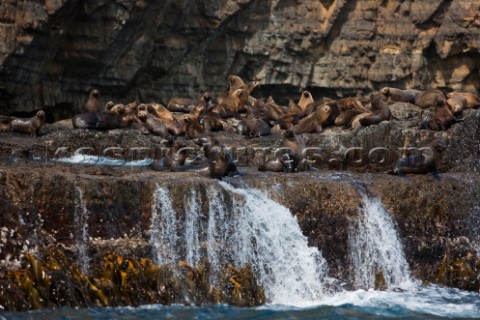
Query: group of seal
(236, 110)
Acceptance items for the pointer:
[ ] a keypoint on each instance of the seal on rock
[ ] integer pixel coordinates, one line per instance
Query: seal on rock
(314, 122)
(96, 120)
(399, 95)
(442, 119)
(93, 103)
(380, 108)
(305, 99)
(462, 100)
(430, 98)
(424, 160)
(28, 125)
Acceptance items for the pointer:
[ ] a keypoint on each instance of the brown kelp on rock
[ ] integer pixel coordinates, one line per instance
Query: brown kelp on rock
(52, 280)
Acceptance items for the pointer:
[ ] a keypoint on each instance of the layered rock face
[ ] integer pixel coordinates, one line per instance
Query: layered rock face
(54, 51)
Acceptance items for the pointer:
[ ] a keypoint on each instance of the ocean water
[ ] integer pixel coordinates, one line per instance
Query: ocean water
(429, 302)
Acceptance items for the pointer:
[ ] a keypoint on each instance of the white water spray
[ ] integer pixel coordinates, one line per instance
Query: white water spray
(375, 247)
(163, 233)
(243, 226)
(192, 228)
(268, 236)
(81, 223)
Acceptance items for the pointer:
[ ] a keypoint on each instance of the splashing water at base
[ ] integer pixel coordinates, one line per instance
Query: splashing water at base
(246, 228)
(430, 303)
(268, 236)
(81, 222)
(375, 247)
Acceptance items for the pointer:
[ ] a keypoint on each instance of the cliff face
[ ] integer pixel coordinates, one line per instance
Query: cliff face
(54, 51)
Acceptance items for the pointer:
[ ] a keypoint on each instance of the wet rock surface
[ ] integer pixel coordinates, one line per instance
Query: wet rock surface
(54, 52)
(436, 215)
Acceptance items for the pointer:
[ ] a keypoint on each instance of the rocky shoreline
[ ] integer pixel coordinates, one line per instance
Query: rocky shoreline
(436, 218)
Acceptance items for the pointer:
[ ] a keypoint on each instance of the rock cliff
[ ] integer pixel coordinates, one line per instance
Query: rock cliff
(54, 51)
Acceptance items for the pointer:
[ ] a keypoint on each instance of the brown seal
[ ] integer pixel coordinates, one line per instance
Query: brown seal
(256, 126)
(218, 162)
(345, 118)
(442, 119)
(430, 98)
(355, 122)
(230, 105)
(314, 122)
(467, 100)
(181, 105)
(174, 158)
(424, 160)
(151, 124)
(28, 125)
(380, 110)
(234, 83)
(280, 163)
(160, 111)
(96, 120)
(93, 103)
(456, 104)
(305, 99)
(399, 95)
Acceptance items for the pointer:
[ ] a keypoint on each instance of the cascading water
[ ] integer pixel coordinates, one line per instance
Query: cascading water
(217, 231)
(268, 236)
(163, 234)
(192, 228)
(81, 222)
(244, 228)
(375, 247)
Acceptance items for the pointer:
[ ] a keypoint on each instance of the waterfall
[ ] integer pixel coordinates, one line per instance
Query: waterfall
(242, 226)
(163, 233)
(217, 232)
(268, 236)
(81, 224)
(192, 228)
(375, 247)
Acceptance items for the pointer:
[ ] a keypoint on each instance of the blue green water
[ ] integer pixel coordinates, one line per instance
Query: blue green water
(430, 302)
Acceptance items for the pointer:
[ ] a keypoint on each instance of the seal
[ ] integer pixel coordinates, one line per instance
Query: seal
(221, 162)
(380, 110)
(218, 162)
(314, 122)
(96, 120)
(109, 105)
(334, 110)
(456, 104)
(305, 99)
(345, 118)
(399, 95)
(355, 123)
(256, 126)
(161, 113)
(93, 103)
(442, 119)
(229, 106)
(234, 83)
(181, 105)
(281, 163)
(174, 158)
(424, 160)
(468, 100)
(28, 125)
(151, 124)
(430, 98)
